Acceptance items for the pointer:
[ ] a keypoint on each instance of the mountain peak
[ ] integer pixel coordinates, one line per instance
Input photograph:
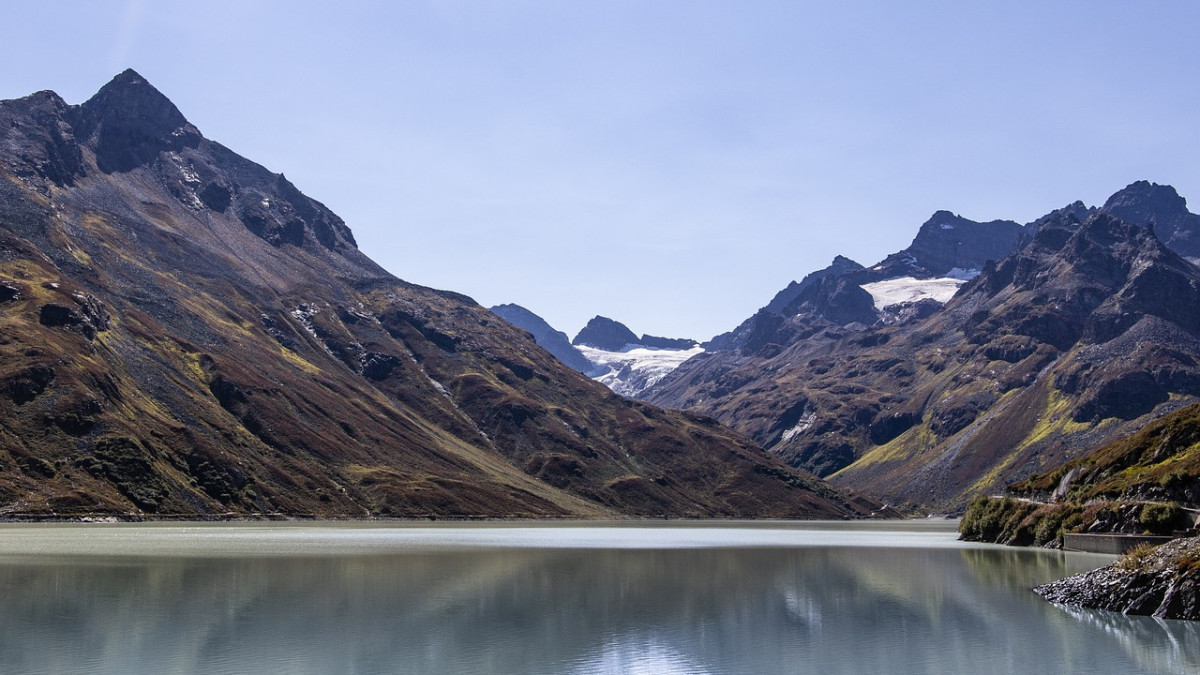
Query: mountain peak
(604, 333)
(1162, 208)
(1145, 188)
(1143, 199)
(132, 96)
(948, 241)
(130, 122)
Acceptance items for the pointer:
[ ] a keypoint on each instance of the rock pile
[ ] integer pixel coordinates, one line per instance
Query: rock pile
(1163, 582)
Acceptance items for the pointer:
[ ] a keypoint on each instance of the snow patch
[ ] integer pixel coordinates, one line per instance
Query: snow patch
(635, 368)
(910, 289)
(802, 426)
(947, 226)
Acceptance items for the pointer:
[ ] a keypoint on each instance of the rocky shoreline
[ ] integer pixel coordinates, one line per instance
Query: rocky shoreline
(1163, 582)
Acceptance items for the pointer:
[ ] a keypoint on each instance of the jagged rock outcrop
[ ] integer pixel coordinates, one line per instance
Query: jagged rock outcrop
(947, 245)
(186, 333)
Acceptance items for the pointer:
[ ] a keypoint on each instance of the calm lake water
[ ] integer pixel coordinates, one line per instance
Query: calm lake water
(519, 598)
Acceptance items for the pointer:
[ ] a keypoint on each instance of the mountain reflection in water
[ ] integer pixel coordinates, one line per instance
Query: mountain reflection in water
(765, 609)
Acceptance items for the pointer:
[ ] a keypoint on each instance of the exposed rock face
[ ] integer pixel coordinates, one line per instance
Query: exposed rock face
(604, 333)
(189, 334)
(840, 266)
(553, 341)
(129, 123)
(758, 328)
(947, 242)
(836, 298)
(86, 314)
(1083, 335)
(1164, 583)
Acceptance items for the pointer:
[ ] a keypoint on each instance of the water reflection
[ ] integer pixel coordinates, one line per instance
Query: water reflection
(515, 610)
(1158, 645)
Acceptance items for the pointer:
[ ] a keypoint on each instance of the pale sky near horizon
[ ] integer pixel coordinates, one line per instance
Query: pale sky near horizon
(669, 164)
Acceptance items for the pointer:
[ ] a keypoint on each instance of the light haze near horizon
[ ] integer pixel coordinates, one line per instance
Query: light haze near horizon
(668, 164)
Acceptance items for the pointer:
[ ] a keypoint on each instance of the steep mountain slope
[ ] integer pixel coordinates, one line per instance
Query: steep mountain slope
(1158, 463)
(184, 332)
(553, 341)
(1084, 335)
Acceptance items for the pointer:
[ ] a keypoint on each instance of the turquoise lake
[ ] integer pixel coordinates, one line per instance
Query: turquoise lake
(637, 597)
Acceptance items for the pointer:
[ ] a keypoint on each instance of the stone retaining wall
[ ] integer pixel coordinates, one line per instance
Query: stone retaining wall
(1115, 544)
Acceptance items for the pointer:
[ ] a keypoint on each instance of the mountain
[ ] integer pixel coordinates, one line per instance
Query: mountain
(948, 245)
(770, 316)
(1081, 336)
(627, 369)
(603, 333)
(553, 341)
(626, 363)
(656, 342)
(183, 332)
(840, 266)
(907, 285)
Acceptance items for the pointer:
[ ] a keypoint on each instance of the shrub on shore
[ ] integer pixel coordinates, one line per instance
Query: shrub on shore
(1004, 520)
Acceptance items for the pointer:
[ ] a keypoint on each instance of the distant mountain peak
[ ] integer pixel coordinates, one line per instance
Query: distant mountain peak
(1163, 209)
(948, 241)
(1144, 201)
(1144, 190)
(602, 332)
(545, 335)
(840, 265)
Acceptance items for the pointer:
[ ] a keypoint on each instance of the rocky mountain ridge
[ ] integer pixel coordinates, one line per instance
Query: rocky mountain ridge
(1084, 333)
(184, 333)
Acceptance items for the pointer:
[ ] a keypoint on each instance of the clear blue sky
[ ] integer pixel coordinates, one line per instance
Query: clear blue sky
(671, 164)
